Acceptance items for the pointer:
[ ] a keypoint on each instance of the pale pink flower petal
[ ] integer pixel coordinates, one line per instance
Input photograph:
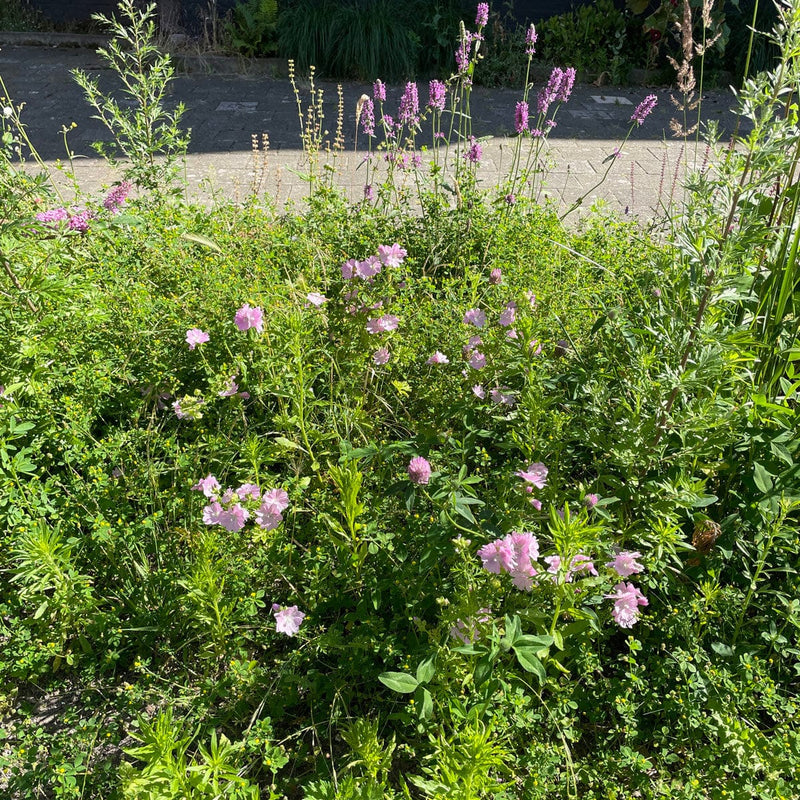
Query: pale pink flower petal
(194, 337)
(209, 486)
(438, 358)
(625, 563)
(381, 356)
(316, 299)
(275, 501)
(247, 317)
(288, 620)
(391, 255)
(476, 317)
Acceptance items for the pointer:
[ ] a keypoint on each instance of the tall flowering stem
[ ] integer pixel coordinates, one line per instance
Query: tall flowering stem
(640, 114)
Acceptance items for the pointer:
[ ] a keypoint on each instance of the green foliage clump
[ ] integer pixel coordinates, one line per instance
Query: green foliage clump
(252, 28)
(360, 502)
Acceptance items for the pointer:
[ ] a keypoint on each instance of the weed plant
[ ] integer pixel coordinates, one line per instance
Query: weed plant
(404, 499)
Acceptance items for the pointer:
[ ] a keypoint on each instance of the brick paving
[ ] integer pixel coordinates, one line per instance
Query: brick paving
(225, 109)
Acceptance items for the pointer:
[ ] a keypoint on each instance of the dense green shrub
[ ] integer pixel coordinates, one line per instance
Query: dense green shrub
(379, 500)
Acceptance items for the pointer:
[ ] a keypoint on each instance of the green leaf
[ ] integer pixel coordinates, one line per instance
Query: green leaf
(513, 632)
(424, 703)
(204, 240)
(539, 642)
(483, 669)
(426, 670)
(530, 663)
(762, 478)
(287, 444)
(399, 681)
(723, 650)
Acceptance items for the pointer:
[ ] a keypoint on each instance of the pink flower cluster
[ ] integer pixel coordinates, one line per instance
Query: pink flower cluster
(514, 554)
(117, 196)
(627, 599)
(419, 470)
(76, 219)
(389, 255)
(388, 322)
(247, 317)
(232, 508)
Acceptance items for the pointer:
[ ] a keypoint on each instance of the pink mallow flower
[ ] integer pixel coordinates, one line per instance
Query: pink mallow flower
(438, 358)
(287, 620)
(233, 518)
(536, 474)
(579, 563)
(479, 391)
(501, 398)
(627, 599)
(275, 501)
(391, 255)
(250, 490)
(476, 317)
(316, 299)
(267, 520)
(368, 268)
(388, 322)
(419, 470)
(349, 269)
(247, 317)
(209, 486)
(380, 356)
(231, 387)
(477, 360)
(514, 554)
(509, 316)
(194, 337)
(625, 563)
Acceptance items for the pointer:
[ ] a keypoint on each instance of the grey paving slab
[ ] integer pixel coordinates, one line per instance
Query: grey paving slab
(225, 112)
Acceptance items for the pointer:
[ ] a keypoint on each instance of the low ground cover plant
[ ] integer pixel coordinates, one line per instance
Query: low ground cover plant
(433, 495)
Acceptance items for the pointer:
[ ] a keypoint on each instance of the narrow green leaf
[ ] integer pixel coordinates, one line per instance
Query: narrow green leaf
(204, 240)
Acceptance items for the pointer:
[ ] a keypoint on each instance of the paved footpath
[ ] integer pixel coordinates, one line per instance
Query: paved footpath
(225, 112)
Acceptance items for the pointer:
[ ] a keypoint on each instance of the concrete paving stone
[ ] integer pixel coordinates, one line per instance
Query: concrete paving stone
(588, 129)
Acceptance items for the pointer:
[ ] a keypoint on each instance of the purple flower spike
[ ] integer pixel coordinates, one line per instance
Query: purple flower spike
(437, 95)
(530, 40)
(482, 16)
(567, 82)
(521, 117)
(409, 104)
(117, 196)
(368, 117)
(644, 109)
